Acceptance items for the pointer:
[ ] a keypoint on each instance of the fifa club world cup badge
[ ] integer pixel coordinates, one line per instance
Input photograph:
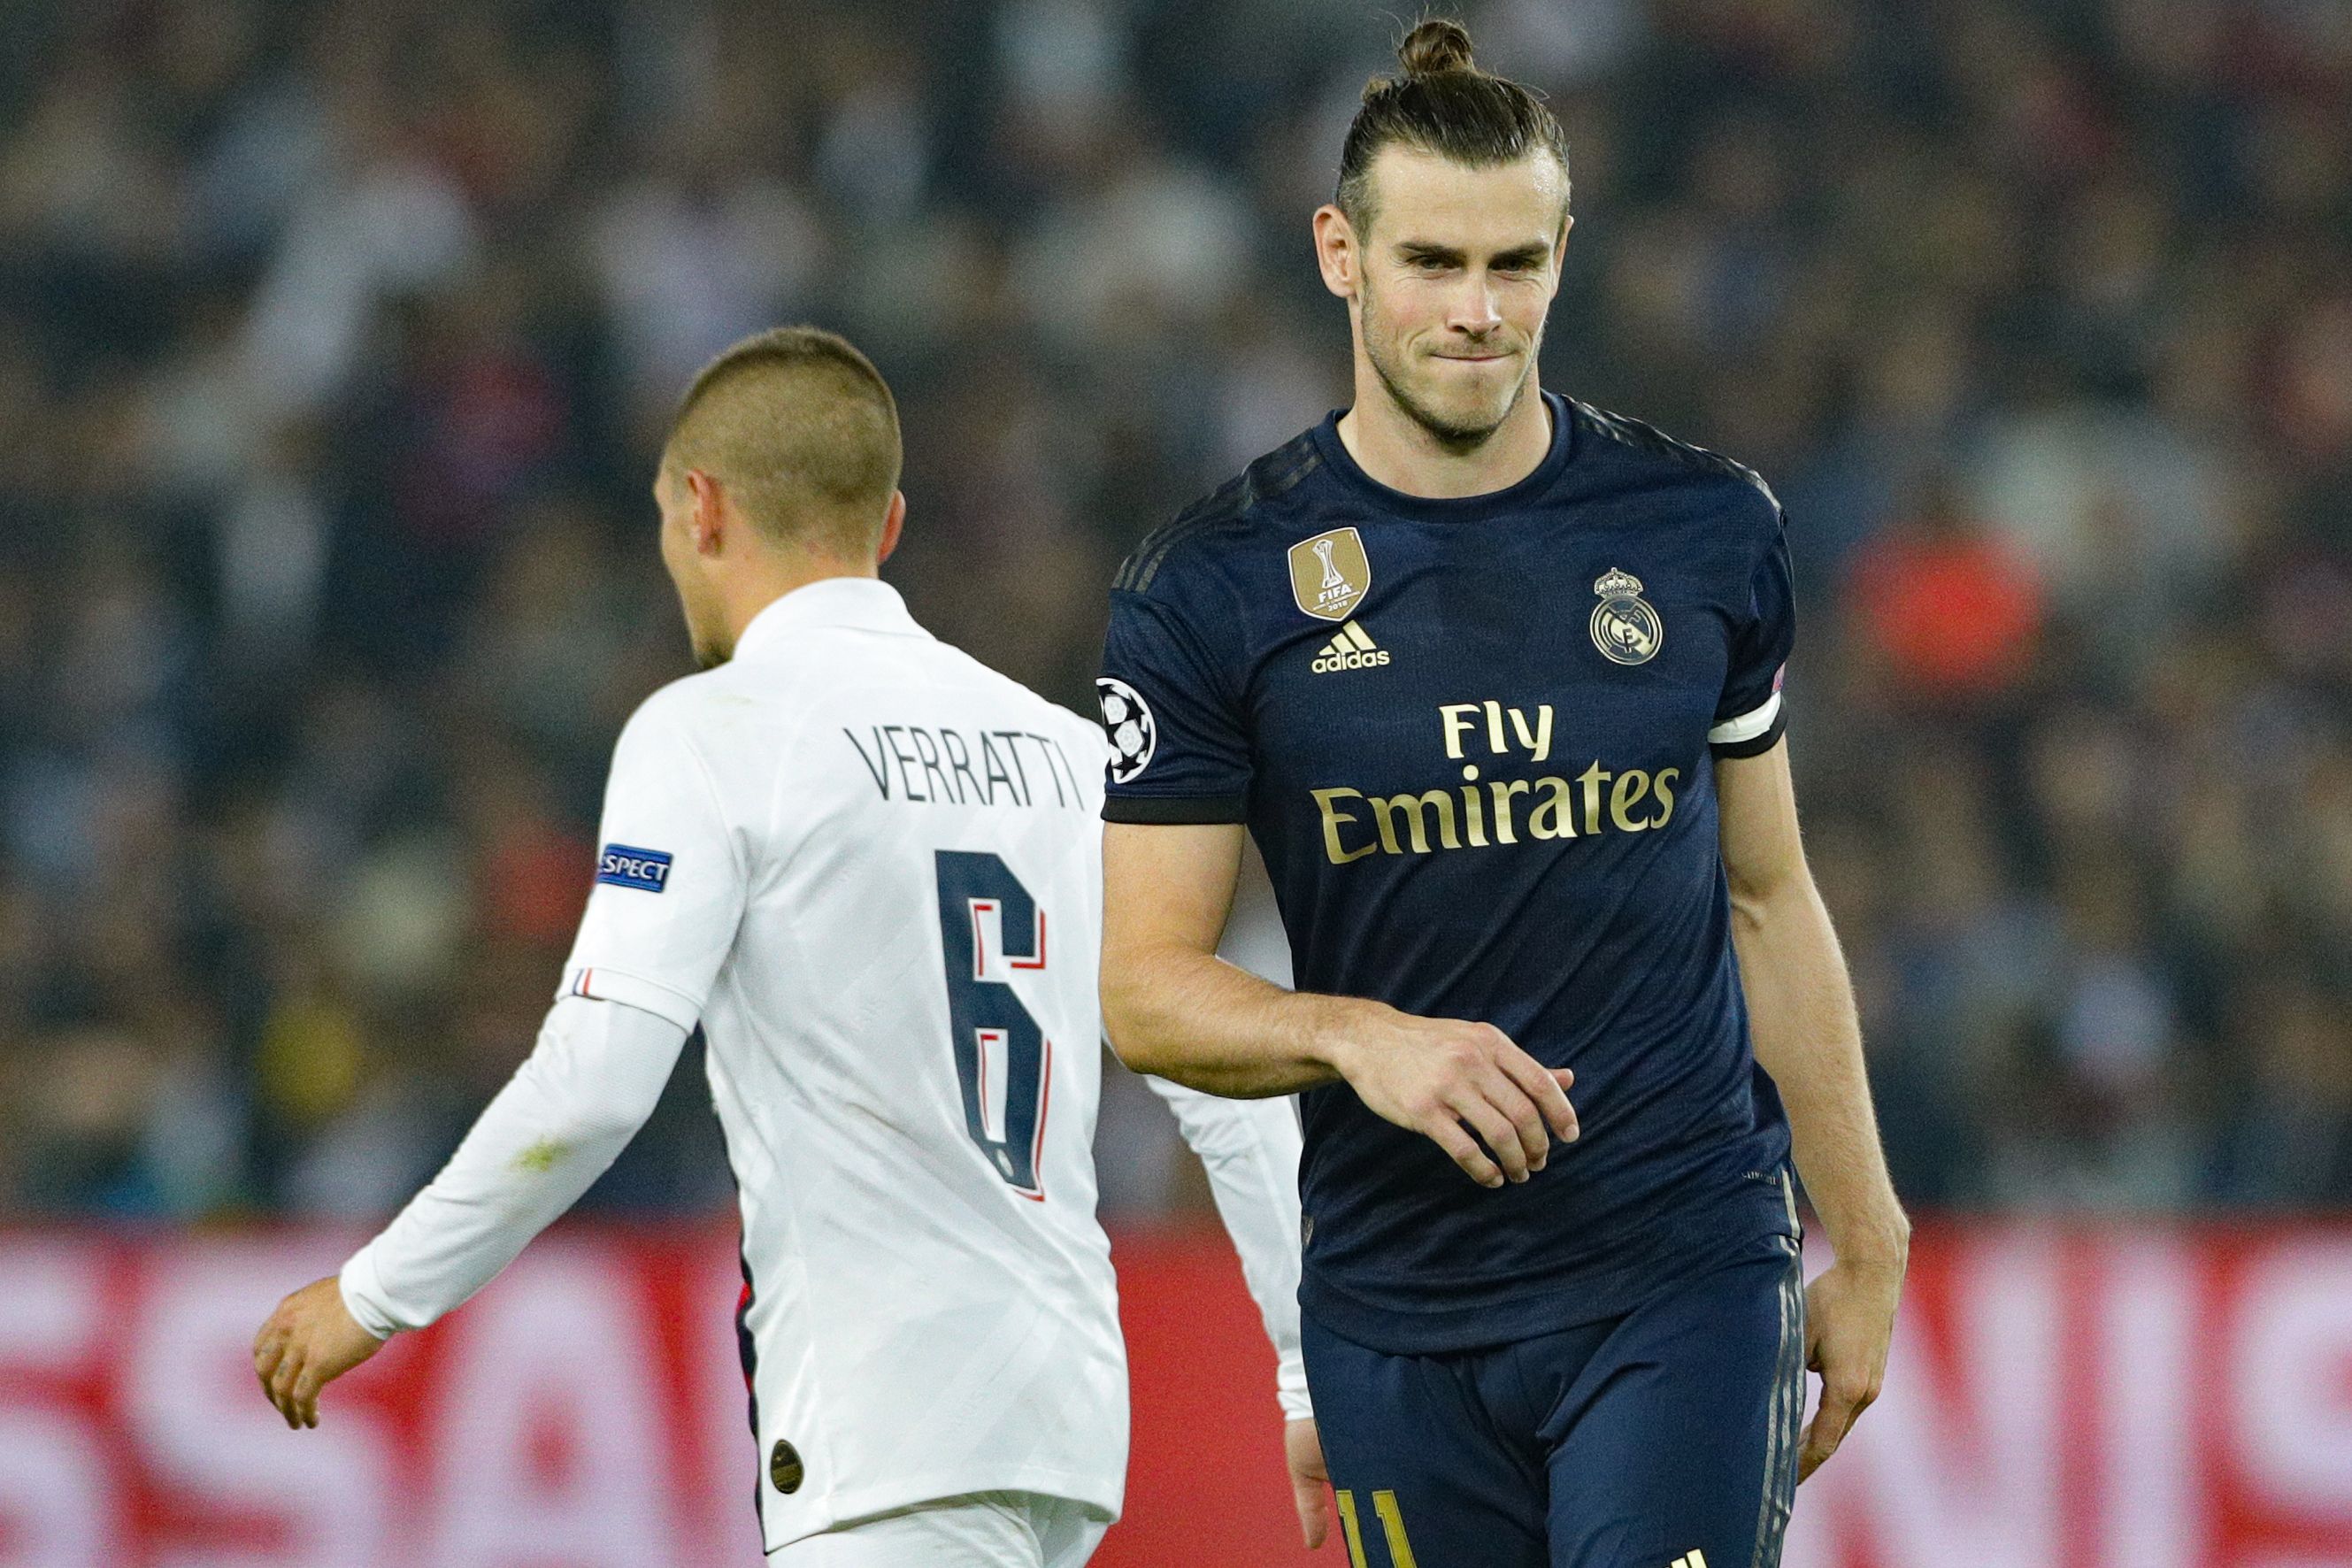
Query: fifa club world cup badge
(1625, 628)
(1329, 573)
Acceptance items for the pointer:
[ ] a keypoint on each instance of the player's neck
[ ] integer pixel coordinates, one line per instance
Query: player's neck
(1399, 451)
(752, 591)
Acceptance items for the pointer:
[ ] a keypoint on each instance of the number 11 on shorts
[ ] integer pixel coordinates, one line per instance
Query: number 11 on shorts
(1384, 1508)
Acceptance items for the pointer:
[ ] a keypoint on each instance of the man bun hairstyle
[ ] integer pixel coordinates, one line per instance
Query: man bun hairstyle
(803, 432)
(1442, 104)
(1436, 45)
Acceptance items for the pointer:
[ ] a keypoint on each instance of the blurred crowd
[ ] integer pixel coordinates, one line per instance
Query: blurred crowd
(336, 340)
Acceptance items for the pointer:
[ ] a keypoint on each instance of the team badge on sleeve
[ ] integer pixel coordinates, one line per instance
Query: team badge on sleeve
(1625, 628)
(1127, 718)
(626, 865)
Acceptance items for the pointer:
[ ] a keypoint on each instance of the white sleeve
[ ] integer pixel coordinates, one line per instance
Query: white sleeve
(671, 874)
(570, 1108)
(1251, 1150)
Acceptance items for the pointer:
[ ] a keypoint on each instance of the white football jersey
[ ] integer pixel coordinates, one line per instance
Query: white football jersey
(868, 867)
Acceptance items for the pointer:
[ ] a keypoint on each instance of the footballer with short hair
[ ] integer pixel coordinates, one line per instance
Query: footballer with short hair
(1548, 840)
(868, 867)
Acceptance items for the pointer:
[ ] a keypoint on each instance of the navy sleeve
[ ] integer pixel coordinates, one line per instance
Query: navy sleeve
(1179, 753)
(1749, 717)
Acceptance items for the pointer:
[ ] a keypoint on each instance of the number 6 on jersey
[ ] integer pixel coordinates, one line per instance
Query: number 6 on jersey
(1002, 1058)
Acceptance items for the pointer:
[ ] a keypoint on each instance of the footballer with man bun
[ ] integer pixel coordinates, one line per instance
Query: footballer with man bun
(1493, 679)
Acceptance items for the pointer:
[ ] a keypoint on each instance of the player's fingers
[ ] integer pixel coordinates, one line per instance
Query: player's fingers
(1824, 1432)
(305, 1394)
(1854, 1395)
(1495, 1128)
(1446, 1133)
(1808, 1457)
(268, 1349)
(1547, 1091)
(289, 1368)
(281, 1387)
(1813, 1454)
(1314, 1501)
(1564, 1124)
(1507, 1096)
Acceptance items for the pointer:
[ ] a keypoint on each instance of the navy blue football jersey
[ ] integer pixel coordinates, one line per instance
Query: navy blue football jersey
(1474, 739)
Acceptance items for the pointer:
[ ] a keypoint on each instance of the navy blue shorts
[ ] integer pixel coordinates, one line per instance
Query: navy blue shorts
(1665, 1438)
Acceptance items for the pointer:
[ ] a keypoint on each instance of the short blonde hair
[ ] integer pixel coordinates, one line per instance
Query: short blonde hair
(803, 432)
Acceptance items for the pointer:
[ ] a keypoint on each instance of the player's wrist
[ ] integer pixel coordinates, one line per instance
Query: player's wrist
(1877, 1259)
(1336, 1033)
(361, 1290)
(1882, 1247)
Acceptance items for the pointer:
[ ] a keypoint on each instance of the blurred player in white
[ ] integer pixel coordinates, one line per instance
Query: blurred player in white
(870, 869)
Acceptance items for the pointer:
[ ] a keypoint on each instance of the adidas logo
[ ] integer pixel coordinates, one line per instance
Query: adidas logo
(1353, 648)
(1696, 1559)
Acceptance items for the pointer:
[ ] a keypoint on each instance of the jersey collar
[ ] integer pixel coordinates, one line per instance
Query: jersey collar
(855, 604)
(1451, 508)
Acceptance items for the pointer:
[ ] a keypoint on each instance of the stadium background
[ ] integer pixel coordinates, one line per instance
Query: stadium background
(334, 341)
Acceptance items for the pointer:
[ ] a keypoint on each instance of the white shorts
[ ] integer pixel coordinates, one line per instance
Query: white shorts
(985, 1529)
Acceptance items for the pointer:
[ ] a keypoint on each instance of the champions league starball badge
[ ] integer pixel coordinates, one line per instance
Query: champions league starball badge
(1625, 628)
(1128, 719)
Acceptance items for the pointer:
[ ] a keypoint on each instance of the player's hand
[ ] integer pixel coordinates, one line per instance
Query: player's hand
(309, 1342)
(1849, 1322)
(1447, 1078)
(1310, 1482)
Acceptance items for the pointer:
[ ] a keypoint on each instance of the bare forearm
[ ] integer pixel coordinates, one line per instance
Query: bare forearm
(1173, 1008)
(1802, 1012)
(1195, 1020)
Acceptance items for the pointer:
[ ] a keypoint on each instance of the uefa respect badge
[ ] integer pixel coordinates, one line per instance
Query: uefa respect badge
(627, 866)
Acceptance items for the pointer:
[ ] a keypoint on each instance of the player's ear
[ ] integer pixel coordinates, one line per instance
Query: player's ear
(893, 522)
(1336, 251)
(709, 519)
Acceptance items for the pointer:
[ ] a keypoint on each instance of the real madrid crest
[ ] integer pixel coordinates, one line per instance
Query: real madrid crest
(1625, 628)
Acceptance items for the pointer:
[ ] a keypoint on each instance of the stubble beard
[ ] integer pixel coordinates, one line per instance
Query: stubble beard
(1452, 435)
